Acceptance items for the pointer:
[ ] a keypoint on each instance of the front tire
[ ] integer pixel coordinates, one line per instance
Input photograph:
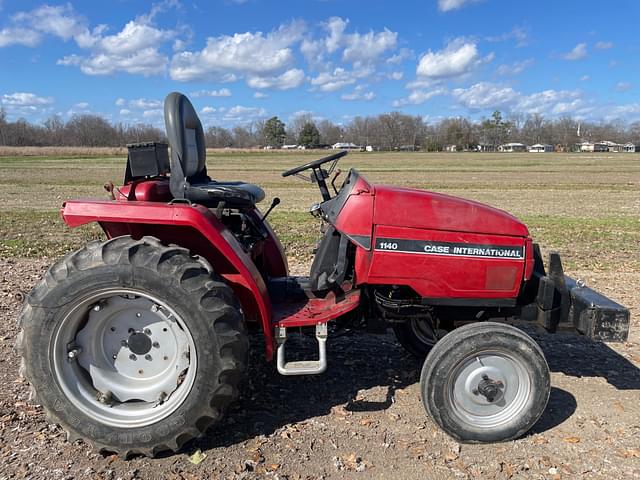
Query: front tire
(133, 346)
(485, 382)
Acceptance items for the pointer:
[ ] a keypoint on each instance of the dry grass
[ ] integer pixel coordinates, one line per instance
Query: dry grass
(588, 206)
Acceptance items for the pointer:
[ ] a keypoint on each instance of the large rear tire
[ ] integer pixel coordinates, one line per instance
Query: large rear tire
(485, 382)
(417, 335)
(133, 346)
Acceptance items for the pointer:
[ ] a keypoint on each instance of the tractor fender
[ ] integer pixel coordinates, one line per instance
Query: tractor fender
(189, 226)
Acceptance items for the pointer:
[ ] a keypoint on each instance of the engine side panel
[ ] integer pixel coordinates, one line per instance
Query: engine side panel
(443, 265)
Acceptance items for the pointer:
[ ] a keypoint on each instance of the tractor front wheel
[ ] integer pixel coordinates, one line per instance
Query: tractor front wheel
(132, 345)
(485, 382)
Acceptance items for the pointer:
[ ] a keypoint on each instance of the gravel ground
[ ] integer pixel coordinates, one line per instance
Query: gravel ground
(363, 418)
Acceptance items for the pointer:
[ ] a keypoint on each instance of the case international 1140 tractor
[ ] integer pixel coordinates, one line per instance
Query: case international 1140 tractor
(138, 343)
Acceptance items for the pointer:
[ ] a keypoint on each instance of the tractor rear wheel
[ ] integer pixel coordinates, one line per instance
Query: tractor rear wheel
(485, 382)
(418, 335)
(133, 346)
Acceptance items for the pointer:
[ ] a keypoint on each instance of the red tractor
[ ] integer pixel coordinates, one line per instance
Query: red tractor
(139, 343)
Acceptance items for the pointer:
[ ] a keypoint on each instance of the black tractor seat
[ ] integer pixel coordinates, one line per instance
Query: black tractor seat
(189, 179)
(233, 194)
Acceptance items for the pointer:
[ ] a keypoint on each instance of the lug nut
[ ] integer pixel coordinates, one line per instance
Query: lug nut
(156, 345)
(104, 398)
(147, 331)
(73, 354)
(147, 357)
(133, 357)
(154, 308)
(97, 308)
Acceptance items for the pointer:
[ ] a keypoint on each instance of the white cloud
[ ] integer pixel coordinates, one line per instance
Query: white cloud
(489, 96)
(584, 78)
(578, 52)
(338, 78)
(403, 54)
(241, 114)
(120, 102)
(448, 5)
(125, 111)
(134, 49)
(604, 45)
(24, 99)
(359, 93)
(223, 92)
(417, 97)
(19, 36)
(290, 79)
(81, 105)
(515, 68)
(359, 49)
(208, 110)
(517, 33)
(60, 21)
(396, 75)
(623, 86)
(155, 113)
(457, 58)
(143, 103)
(241, 53)
(260, 95)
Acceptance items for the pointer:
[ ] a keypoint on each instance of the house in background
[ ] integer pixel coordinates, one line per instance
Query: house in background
(512, 147)
(630, 147)
(541, 148)
(485, 147)
(593, 147)
(345, 146)
(450, 148)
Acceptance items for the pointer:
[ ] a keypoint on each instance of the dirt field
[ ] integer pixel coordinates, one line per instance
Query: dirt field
(363, 418)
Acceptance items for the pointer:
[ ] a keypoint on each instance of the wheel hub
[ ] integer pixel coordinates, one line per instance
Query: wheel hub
(139, 343)
(489, 388)
(132, 349)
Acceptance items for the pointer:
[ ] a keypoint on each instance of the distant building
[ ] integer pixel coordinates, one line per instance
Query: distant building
(593, 147)
(630, 148)
(541, 148)
(485, 147)
(450, 148)
(345, 146)
(289, 147)
(512, 147)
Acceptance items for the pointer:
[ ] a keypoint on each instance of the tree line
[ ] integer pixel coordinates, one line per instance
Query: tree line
(386, 131)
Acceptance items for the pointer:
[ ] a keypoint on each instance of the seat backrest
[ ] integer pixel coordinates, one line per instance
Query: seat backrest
(186, 138)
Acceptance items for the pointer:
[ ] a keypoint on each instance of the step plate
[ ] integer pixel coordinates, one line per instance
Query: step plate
(315, 310)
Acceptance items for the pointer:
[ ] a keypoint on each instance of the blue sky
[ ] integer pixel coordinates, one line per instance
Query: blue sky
(243, 60)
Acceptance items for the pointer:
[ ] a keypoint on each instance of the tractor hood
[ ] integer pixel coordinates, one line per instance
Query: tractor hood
(411, 208)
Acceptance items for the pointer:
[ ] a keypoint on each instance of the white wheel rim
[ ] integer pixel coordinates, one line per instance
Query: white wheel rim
(124, 358)
(488, 389)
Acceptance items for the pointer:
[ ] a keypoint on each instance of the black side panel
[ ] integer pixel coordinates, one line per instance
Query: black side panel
(325, 261)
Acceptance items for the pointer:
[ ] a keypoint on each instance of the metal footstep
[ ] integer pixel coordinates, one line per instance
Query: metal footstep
(305, 367)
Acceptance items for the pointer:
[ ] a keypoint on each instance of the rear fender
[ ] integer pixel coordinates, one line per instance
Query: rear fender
(193, 227)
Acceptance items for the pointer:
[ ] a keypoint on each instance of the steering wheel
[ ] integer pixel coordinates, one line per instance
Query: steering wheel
(315, 164)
